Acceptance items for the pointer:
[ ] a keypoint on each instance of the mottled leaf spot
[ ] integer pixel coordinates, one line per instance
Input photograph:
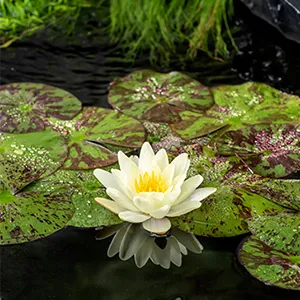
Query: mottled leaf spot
(24, 105)
(273, 267)
(157, 97)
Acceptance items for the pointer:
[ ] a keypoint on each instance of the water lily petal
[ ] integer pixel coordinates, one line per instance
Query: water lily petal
(200, 194)
(133, 216)
(126, 187)
(162, 159)
(142, 256)
(110, 205)
(127, 166)
(148, 201)
(188, 187)
(181, 163)
(121, 199)
(159, 226)
(168, 174)
(183, 208)
(106, 178)
(147, 161)
(135, 159)
(178, 181)
(171, 195)
(161, 212)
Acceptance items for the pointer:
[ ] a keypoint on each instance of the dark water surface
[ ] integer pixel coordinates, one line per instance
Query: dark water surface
(71, 264)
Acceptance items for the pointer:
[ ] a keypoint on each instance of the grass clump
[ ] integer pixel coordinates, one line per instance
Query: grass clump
(160, 27)
(22, 18)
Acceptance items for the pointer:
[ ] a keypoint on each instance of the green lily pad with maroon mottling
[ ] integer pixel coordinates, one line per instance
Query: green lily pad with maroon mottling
(237, 106)
(282, 191)
(27, 216)
(158, 97)
(85, 188)
(95, 136)
(279, 231)
(23, 106)
(273, 267)
(224, 213)
(26, 157)
(269, 150)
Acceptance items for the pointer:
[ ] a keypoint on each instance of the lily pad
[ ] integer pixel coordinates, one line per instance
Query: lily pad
(25, 158)
(224, 213)
(269, 150)
(157, 97)
(95, 136)
(280, 231)
(84, 188)
(237, 106)
(28, 216)
(282, 191)
(273, 267)
(23, 106)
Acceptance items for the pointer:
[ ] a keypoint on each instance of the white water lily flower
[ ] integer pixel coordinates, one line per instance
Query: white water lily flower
(148, 189)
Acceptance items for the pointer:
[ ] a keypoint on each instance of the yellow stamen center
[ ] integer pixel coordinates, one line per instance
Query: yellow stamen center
(147, 183)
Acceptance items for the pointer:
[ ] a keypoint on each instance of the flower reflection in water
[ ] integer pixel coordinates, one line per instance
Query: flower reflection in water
(132, 240)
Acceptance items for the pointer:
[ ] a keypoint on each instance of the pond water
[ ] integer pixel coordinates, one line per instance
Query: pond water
(71, 264)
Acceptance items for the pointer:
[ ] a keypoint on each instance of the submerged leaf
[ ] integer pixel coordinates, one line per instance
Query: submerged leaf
(23, 106)
(273, 267)
(269, 150)
(237, 106)
(28, 216)
(157, 97)
(27, 157)
(280, 231)
(95, 136)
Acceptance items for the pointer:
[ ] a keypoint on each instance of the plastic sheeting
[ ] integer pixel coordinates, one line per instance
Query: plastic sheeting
(282, 14)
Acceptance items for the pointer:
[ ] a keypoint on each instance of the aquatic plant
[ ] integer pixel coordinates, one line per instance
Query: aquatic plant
(244, 141)
(148, 189)
(156, 27)
(20, 19)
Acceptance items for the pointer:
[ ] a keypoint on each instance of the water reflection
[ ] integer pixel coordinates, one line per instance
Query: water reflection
(131, 240)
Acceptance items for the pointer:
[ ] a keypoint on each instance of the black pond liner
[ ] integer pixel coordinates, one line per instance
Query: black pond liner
(71, 264)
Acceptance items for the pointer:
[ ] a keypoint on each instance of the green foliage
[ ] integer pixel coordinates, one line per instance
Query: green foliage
(158, 27)
(96, 135)
(84, 188)
(279, 231)
(163, 25)
(243, 140)
(23, 106)
(273, 267)
(158, 97)
(21, 18)
(27, 216)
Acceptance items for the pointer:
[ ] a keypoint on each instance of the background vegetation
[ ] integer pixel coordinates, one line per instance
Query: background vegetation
(159, 27)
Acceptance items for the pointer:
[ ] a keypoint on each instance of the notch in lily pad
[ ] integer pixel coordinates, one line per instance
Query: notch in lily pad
(237, 106)
(158, 97)
(28, 216)
(24, 105)
(96, 135)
